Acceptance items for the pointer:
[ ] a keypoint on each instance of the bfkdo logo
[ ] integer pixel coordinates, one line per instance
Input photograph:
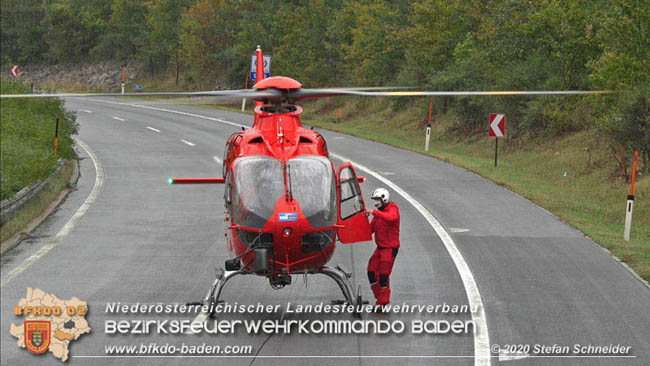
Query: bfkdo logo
(50, 324)
(37, 335)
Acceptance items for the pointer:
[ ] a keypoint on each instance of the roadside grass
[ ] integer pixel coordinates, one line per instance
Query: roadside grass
(27, 147)
(27, 141)
(38, 203)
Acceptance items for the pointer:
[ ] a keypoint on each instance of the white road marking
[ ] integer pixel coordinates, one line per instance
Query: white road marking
(153, 129)
(119, 119)
(187, 142)
(85, 110)
(165, 110)
(97, 189)
(219, 161)
(481, 337)
(458, 230)
(505, 356)
(387, 173)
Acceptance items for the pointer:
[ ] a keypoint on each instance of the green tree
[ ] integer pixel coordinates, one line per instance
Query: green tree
(307, 52)
(22, 31)
(624, 37)
(261, 24)
(74, 27)
(163, 46)
(126, 31)
(435, 28)
(209, 33)
(375, 53)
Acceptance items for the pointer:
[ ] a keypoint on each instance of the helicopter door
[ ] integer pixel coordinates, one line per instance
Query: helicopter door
(352, 215)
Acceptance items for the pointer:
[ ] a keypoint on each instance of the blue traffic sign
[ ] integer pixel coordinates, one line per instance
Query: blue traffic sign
(254, 75)
(267, 66)
(137, 87)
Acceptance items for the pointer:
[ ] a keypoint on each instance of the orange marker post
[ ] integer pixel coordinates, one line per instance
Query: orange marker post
(630, 201)
(338, 115)
(56, 136)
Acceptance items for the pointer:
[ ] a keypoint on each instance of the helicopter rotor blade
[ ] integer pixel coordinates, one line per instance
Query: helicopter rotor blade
(369, 88)
(241, 93)
(274, 95)
(302, 94)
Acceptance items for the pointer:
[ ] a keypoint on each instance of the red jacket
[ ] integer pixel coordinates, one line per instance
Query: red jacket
(385, 225)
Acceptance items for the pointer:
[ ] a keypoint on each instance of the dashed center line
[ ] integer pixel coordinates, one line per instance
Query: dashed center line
(187, 142)
(216, 158)
(119, 119)
(458, 230)
(153, 129)
(85, 110)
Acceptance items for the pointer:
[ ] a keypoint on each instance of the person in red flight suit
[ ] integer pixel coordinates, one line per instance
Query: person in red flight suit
(385, 226)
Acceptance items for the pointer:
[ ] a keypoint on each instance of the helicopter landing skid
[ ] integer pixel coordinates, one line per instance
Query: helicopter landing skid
(212, 297)
(338, 274)
(342, 278)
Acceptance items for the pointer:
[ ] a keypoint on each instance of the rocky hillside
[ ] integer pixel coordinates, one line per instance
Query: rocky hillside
(105, 76)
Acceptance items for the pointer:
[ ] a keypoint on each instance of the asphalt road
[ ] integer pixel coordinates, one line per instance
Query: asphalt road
(540, 281)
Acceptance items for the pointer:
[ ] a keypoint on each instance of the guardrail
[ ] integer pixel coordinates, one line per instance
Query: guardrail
(10, 206)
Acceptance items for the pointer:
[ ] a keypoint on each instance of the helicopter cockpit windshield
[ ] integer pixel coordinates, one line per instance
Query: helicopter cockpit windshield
(259, 183)
(312, 183)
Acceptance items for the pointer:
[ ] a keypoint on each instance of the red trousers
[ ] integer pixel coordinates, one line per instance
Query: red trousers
(379, 268)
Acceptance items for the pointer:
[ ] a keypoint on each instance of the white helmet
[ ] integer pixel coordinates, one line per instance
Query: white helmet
(382, 195)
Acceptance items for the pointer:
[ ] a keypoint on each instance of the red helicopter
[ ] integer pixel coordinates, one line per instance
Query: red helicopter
(286, 203)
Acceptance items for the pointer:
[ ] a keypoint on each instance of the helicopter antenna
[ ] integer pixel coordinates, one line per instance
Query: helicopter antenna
(289, 193)
(259, 75)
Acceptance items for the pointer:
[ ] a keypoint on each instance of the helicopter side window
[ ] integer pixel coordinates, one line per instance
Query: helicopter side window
(351, 200)
(313, 185)
(259, 183)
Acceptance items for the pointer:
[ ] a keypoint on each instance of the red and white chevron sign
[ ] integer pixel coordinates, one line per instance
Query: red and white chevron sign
(14, 70)
(497, 125)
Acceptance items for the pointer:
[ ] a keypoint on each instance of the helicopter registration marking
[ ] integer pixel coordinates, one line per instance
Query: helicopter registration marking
(288, 216)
